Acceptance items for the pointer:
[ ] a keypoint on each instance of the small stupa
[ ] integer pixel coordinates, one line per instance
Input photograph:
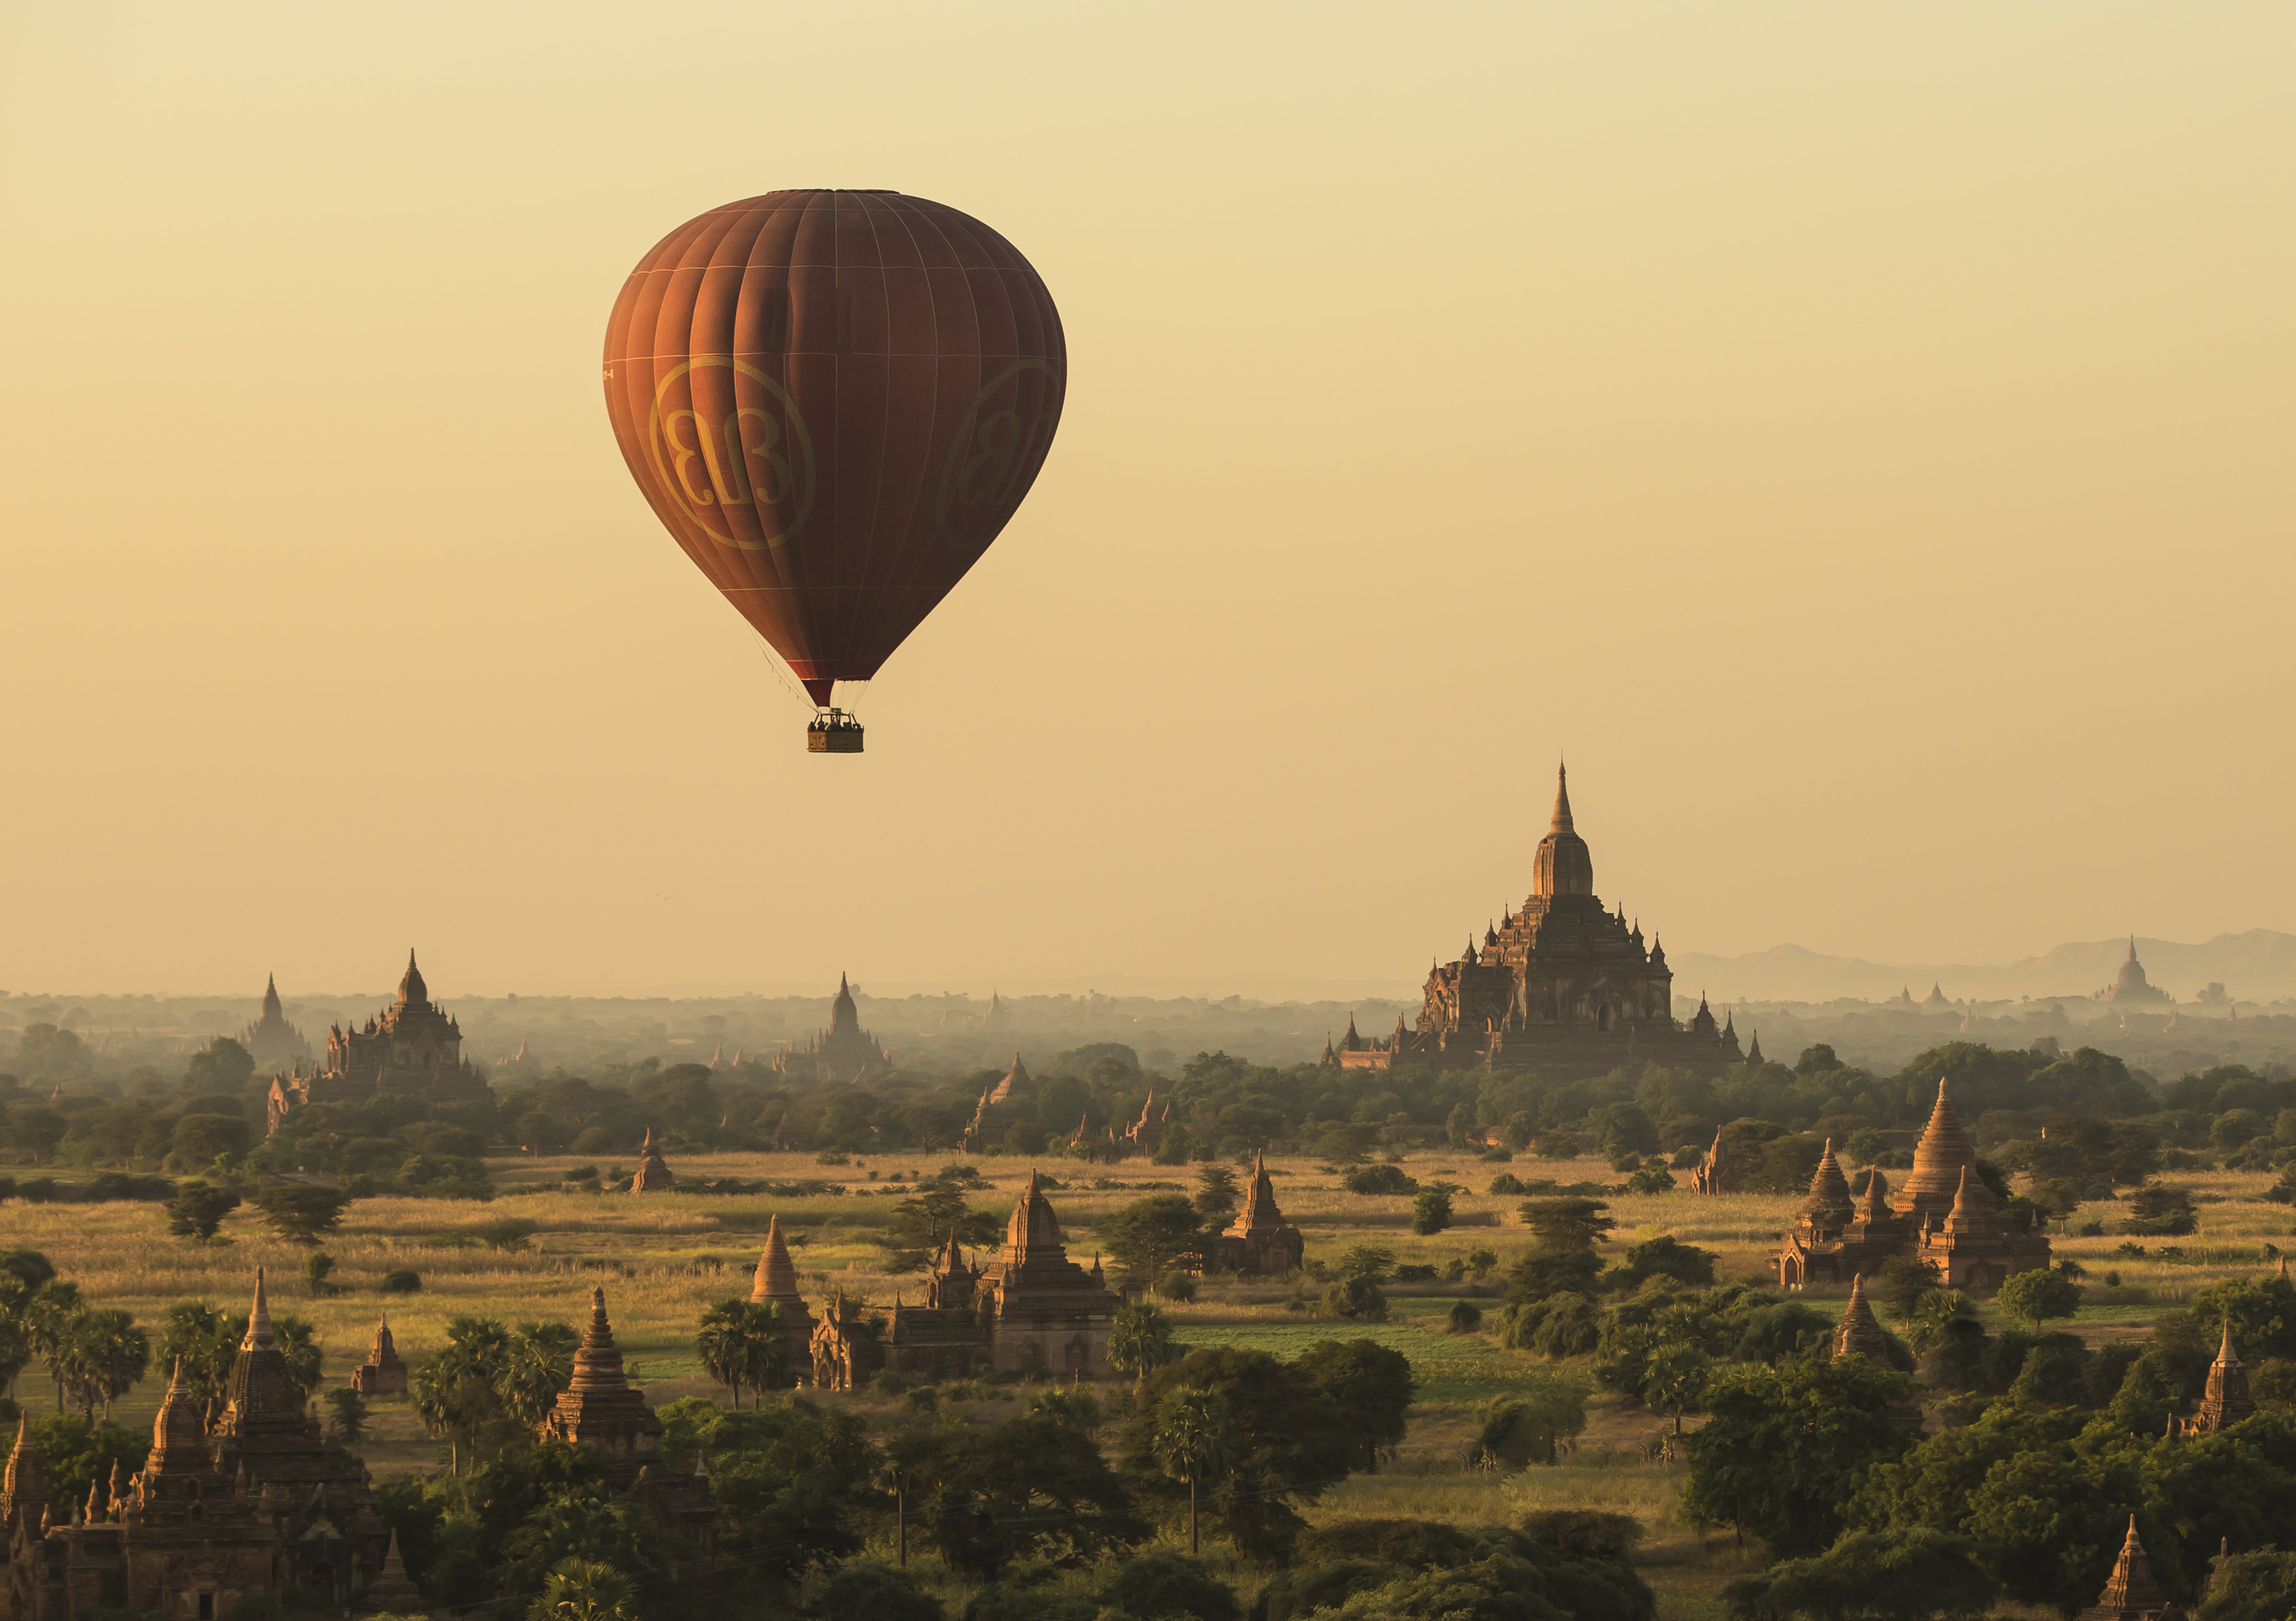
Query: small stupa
(653, 1175)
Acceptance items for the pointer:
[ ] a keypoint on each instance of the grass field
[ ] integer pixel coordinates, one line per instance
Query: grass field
(662, 1259)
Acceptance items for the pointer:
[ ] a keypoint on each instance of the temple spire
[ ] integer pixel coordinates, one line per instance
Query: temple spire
(1561, 822)
(258, 1320)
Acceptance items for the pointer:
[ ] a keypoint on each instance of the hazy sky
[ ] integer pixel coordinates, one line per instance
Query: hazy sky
(1859, 436)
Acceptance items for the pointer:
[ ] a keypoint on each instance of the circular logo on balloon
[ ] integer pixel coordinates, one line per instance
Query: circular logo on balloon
(717, 450)
(1001, 444)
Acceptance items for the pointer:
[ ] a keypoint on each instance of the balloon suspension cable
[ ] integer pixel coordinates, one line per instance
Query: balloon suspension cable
(789, 682)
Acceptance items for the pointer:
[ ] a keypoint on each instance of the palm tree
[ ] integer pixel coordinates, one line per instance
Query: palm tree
(1140, 1341)
(1194, 1440)
(745, 1342)
(102, 1355)
(583, 1589)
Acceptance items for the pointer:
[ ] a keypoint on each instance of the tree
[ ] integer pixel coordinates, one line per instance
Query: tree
(2043, 1292)
(584, 1590)
(197, 1210)
(453, 1389)
(535, 1367)
(1431, 1212)
(45, 1317)
(1368, 1262)
(317, 1267)
(1874, 1576)
(922, 1222)
(1216, 1194)
(202, 1140)
(745, 1343)
(1900, 1283)
(1561, 1259)
(101, 1357)
(222, 1065)
(863, 1587)
(1357, 1299)
(301, 1211)
(1369, 1386)
(1193, 1441)
(1673, 1377)
(1524, 1427)
(1149, 1236)
(349, 1420)
(1034, 1485)
(1140, 1340)
(1784, 1448)
(1289, 1444)
(790, 1479)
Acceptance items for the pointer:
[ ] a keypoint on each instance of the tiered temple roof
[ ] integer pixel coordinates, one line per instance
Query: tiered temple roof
(1860, 1335)
(2224, 1401)
(1259, 1239)
(601, 1410)
(653, 1171)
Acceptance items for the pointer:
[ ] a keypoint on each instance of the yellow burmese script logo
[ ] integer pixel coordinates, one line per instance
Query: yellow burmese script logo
(752, 456)
(1000, 445)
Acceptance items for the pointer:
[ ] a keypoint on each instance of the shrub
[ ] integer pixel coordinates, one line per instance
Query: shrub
(299, 1212)
(1176, 1285)
(1431, 1212)
(1466, 1318)
(1357, 1299)
(1379, 1180)
(865, 1587)
(401, 1282)
(1415, 1273)
(1509, 1184)
(1162, 1585)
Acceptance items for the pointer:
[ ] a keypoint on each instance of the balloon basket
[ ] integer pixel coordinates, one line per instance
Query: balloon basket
(833, 732)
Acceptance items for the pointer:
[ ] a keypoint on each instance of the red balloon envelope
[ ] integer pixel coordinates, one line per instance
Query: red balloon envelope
(834, 400)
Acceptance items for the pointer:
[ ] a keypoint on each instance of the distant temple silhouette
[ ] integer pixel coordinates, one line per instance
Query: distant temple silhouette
(416, 1046)
(2130, 985)
(271, 1039)
(842, 1052)
(1563, 986)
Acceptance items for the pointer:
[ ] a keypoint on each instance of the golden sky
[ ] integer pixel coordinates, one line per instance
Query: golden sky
(1859, 437)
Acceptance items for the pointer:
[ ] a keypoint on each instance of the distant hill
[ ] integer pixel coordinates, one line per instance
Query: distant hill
(2258, 966)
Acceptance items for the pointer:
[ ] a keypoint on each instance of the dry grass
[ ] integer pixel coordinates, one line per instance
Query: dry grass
(663, 1260)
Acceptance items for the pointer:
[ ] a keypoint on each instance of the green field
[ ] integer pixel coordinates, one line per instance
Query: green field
(663, 1259)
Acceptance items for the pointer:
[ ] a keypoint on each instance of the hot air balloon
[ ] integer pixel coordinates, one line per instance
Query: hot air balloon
(834, 400)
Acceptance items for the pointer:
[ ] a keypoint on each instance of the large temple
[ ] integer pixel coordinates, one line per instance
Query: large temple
(1259, 1239)
(1030, 1310)
(2130, 986)
(261, 1504)
(1563, 986)
(842, 1052)
(415, 1047)
(270, 1040)
(1945, 1216)
(603, 1413)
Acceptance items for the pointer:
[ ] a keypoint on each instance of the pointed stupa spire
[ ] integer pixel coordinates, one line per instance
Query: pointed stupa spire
(775, 1278)
(259, 1336)
(1560, 821)
(1829, 1204)
(1859, 1334)
(2131, 1589)
(1754, 1050)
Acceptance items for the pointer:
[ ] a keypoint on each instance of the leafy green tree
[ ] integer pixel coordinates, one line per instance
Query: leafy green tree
(76, 1454)
(301, 1212)
(101, 1355)
(1140, 1340)
(1150, 1236)
(863, 1587)
(744, 1343)
(2158, 1210)
(1369, 1386)
(45, 1317)
(1526, 1426)
(455, 1387)
(1784, 1447)
(1870, 1575)
(589, 1524)
(1901, 1283)
(2255, 1585)
(317, 1267)
(1289, 1444)
(202, 1140)
(1368, 1262)
(1194, 1440)
(922, 1222)
(348, 1409)
(198, 1210)
(1033, 1486)
(1431, 1212)
(34, 1129)
(1561, 1259)
(1675, 1376)
(791, 1480)
(2040, 1293)
(1380, 1181)
(1217, 1196)
(222, 1065)
(1356, 1299)
(1664, 1256)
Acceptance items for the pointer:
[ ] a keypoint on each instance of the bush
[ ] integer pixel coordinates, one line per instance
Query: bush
(2157, 1210)
(1652, 1178)
(404, 1282)
(866, 1587)
(1176, 1285)
(1357, 1299)
(1379, 1180)
(1431, 1212)
(1165, 1586)
(1508, 1184)
(299, 1212)
(1416, 1273)
(1466, 1318)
